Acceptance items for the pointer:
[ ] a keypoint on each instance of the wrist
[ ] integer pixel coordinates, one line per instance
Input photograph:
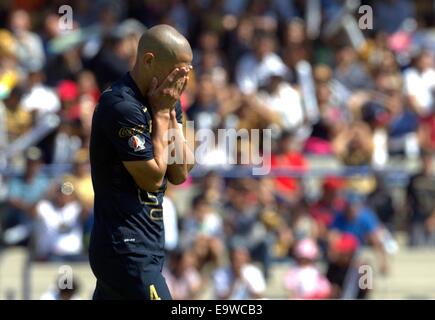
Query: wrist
(173, 114)
(162, 114)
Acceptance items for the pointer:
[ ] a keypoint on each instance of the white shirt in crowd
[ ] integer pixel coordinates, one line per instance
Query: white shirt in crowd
(287, 103)
(58, 230)
(251, 282)
(30, 50)
(170, 224)
(212, 153)
(41, 99)
(211, 225)
(252, 73)
(421, 85)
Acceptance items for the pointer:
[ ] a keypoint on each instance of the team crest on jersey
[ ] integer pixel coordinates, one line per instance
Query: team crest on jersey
(137, 143)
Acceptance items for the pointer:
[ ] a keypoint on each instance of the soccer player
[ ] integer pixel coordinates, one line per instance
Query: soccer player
(129, 151)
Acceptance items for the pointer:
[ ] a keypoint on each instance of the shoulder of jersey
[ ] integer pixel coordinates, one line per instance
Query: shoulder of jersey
(114, 95)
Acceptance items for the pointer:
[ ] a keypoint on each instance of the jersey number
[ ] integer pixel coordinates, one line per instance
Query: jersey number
(153, 293)
(153, 201)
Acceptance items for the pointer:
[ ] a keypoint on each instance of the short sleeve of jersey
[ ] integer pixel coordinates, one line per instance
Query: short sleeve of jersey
(179, 112)
(126, 128)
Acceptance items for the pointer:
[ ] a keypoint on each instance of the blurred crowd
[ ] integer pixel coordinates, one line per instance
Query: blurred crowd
(258, 64)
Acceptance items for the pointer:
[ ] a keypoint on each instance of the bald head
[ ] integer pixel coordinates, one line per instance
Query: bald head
(161, 49)
(166, 43)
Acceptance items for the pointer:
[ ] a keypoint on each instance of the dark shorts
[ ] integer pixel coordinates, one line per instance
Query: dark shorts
(132, 276)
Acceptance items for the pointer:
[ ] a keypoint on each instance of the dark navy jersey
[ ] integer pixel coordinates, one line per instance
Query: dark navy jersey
(126, 218)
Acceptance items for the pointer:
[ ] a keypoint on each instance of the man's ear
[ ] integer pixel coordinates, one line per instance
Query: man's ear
(148, 58)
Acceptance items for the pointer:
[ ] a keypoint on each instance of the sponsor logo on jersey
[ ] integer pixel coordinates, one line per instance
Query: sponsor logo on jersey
(125, 132)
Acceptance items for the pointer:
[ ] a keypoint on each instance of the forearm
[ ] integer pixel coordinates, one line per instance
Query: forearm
(382, 258)
(184, 159)
(380, 252)
(415, 105)
(161, 120)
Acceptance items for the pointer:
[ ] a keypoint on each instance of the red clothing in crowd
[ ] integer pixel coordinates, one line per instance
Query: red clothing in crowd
(291, 161)
(324, 213)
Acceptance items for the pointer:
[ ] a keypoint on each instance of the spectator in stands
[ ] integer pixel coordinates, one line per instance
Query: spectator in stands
(240, 41)
(203, 231)
(208, 41)
(39, 98)
(262, 14)
(288, 157)
(350, 71)
(211, 187)
(211, 64)
(253, 115)
(182, 277)
(18, 121)
(281, 98)
(402, 126)
(276, 215)
(324, 210)
(66, 65)
(50, 31)
(420, 84)
(239, 281)
(68, 93)
(254, 68)
(111, 62)
(88, 98)
(358, 220)
(303, 224)
(295, 34)
(24, 193)
(76, 113)
(421, 204)
(64, 143)
(354, 146)
(241, 214)
(419, 87)
(58, 228)
(304, 280)
(381, 202)
(284, 241)
(204, 110)
(332, 117)
(30, 50)
(343, 268)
